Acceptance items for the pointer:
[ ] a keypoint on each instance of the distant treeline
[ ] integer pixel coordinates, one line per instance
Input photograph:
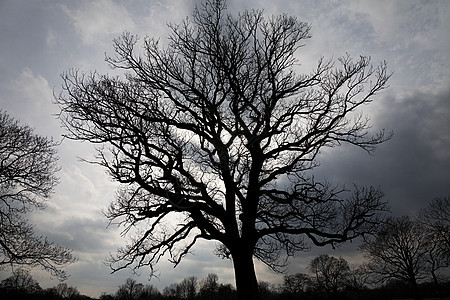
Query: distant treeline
(329, 278)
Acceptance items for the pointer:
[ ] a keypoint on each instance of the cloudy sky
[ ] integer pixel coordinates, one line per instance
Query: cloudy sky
(41, 39)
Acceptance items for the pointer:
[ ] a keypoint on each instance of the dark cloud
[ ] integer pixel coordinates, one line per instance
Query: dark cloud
(414, 166)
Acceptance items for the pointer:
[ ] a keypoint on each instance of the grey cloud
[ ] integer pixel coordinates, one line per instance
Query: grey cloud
(413, 167)
(83, 235)
(95, 21)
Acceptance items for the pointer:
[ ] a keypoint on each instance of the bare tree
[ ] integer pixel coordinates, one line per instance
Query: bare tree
(218, 130)
(398, 251)
(130, 290)
(27, 178)
(436, 217)
(21, 282)
(186, 289)
(209, 286)
(189, 287)
(359, 277)
(296, 284)
(436, 220)
(173, 291)
(265, 289)
(331, 273)
(150, 292)
(66, 291)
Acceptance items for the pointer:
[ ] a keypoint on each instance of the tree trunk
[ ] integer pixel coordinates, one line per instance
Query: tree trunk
(415, 288)
(436, 282)
(245, 276)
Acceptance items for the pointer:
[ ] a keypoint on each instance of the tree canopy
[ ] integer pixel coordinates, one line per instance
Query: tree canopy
(28, 164)
(218, 131)
(412, 249)
(399, 250)
(331, 273)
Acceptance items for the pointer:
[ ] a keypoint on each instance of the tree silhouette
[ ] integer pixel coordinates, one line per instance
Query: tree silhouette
(189, 287)
(150, 292)
(130, 290)
(331, 274)
(436, 220)
(214, 137)
(27, 179)
(66, 291)
(20, 282)
(210, 286)
(173, 291)
(296, 284)
(399, 251)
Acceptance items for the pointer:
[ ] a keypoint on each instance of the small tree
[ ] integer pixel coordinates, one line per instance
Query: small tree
(225, 292)
(209, 286)
(331, 274)
(359, 277)
(218, 129)
(296, 284)
(106, 296)
(398, 251)
(150, 292)
(265, 289)
(436, 220)
(27, 179)
(173, 291)
(21, 282)
(189, 287)
(186, 289)
(130, 290)
(65, 291)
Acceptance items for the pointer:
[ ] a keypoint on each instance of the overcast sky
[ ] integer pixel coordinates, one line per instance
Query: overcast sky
(41, 39)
